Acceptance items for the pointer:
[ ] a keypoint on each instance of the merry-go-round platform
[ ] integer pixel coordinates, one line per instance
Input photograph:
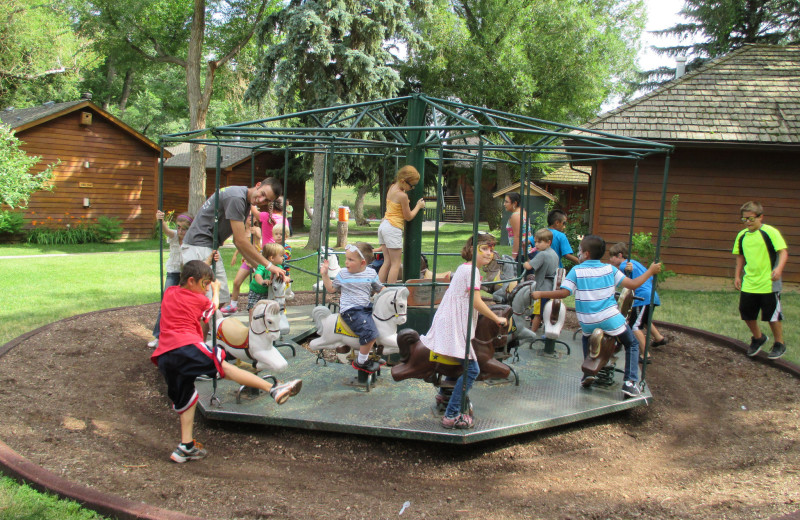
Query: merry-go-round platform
(548, 394)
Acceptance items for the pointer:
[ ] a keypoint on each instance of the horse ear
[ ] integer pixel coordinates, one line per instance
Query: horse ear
(403, 292)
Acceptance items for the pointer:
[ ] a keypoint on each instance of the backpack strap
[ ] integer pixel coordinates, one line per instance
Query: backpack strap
(773, 257)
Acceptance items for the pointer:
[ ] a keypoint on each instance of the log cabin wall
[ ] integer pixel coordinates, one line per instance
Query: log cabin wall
(176, 180)
(712, 184)
(119, 181)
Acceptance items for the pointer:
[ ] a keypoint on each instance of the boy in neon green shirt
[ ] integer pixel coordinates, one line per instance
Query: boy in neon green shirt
(761, 253)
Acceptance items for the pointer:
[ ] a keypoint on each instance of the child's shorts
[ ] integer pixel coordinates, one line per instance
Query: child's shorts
(390, 236)
(768, 303)
(360, 321)
(180, 367)
(253, 298)
(245, 267)
(638, 316)
(538, 306)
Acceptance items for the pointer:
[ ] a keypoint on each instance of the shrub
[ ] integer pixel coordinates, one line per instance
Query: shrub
(108, 229)
(10, 222)
(45, 235)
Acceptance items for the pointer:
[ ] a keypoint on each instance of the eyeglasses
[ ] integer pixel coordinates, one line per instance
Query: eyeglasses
(750, 219)
(351, 247)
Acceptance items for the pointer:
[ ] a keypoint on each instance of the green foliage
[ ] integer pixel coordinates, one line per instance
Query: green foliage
(723, 26)
(11, 222)
(550, 59)
(48, 235)
(41, 57)
(17, 184)
(643, 247)
(108, 229)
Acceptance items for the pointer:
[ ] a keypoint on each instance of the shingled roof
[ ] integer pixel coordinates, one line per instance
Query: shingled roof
(231, 156)
(751, 95)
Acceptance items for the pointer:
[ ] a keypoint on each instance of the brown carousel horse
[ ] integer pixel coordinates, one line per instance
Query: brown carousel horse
(419, 362)
(602, 346)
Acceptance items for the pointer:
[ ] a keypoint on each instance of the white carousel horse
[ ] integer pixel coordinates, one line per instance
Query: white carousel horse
(254, 344)
(555, 311)
(333, 265)
(388, 311)
(277, 292)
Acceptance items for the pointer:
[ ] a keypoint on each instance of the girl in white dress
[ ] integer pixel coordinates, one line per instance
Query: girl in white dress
(448, 332)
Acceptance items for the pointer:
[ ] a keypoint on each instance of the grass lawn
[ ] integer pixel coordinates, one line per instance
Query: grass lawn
(56, 287)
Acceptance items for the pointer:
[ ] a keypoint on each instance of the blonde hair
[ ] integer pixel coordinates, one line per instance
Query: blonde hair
(405, 176)
(366, 250)
(543, 234)
(753, 206)
(271, 249)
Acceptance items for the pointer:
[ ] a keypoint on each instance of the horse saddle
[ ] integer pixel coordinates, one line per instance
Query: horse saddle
(234, 333)
(444, 360)
(340, 327)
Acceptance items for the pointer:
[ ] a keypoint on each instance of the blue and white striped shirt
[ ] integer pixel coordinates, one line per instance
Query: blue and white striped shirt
(356, 288)
(593, 283)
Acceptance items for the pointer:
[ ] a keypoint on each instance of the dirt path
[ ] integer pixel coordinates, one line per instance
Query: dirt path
(721, 440)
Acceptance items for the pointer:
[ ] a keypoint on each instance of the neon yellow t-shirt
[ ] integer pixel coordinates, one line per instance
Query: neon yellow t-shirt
(757, 277)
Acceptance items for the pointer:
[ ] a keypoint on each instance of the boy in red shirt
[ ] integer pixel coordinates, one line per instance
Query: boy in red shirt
(182, 355)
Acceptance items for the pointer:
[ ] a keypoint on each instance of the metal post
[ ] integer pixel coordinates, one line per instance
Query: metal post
(412, 239)
(161, 227)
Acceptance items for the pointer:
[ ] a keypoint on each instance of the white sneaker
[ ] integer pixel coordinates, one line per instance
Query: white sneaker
(153, 344)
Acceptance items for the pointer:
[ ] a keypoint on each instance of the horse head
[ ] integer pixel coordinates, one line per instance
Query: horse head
(487, 332)
(264, 331)
(391, 305)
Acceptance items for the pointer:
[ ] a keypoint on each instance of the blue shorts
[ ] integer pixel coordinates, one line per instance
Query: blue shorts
(360, 321)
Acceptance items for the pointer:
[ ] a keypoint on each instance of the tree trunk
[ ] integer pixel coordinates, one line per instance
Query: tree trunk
(358, 209)
(127, 85)
(110, 75)
(318, 216)
(198, 106)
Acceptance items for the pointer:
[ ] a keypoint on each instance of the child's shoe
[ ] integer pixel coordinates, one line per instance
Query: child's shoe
(659, 343)
(587, 380)
(153, 344)
(368, 366)
(181, 455)
(286, 390)
(778, 349)
(229, 309)
(756, 344)
(631, 389)
(460, 422)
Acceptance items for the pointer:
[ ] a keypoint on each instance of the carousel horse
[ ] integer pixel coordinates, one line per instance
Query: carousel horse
(419, 362)
(388, 311)
(502, 268)
(333, 266)
(602, 346)
(277, 292)
(255, 344)
(521, 307)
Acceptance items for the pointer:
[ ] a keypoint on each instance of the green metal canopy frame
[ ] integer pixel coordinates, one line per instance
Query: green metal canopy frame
(417, 128)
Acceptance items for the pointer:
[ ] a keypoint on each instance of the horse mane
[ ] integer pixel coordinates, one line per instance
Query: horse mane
(518, 288)
(271, 307)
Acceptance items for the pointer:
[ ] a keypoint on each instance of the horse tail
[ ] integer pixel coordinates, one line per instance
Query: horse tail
(405, 339)
(319, 313)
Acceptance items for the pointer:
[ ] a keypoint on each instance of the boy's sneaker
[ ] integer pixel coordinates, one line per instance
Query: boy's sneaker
(459, 422)
(587, 380)
(631, 389)
(368, 366)
(756, 344)
(659, 343)
(286, 390)
(778, 349)
(180, 455)
(153, 344)
(228, 309)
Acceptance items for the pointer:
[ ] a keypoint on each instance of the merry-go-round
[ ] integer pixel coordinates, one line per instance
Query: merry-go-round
(528, 382)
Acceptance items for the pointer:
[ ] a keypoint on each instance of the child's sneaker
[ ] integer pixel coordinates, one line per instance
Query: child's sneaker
(459, 422)
(229, 309)
(153, 344)
(631, 389)
(286, 390)
(368, 366)
(181, 455)
(778, 349)
(756, 344)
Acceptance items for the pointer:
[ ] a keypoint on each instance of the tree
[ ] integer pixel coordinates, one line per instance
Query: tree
(323, 53)
(720, 27)
(17, 184)
(198, 37)
(41, 55)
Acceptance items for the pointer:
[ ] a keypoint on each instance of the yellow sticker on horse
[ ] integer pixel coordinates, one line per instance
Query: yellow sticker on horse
(445, 360)
(341, 328)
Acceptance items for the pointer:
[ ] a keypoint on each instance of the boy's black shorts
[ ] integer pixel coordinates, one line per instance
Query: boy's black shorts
(768, 303)
(180, 367)
(638, 316)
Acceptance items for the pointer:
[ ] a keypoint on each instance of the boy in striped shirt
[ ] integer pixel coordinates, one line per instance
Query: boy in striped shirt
(593, 283)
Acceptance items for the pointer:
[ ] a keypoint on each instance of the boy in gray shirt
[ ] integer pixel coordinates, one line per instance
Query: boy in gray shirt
(544, 265)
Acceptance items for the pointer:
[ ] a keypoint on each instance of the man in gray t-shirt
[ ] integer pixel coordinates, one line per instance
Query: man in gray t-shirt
(234, 208)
